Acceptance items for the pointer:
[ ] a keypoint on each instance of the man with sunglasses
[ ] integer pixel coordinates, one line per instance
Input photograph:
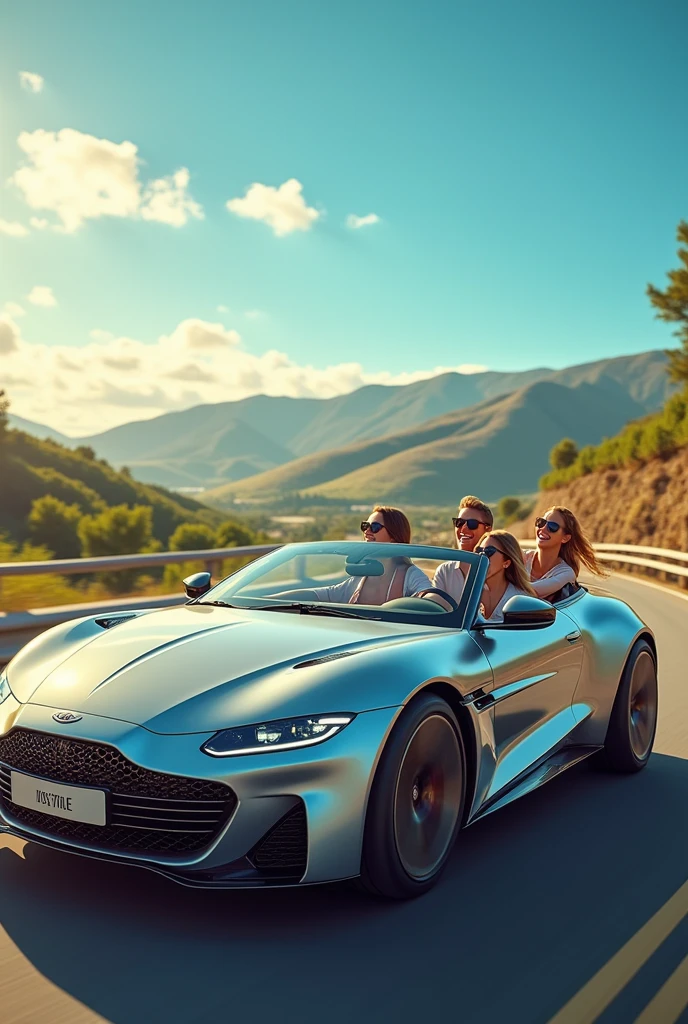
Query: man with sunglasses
(473, 521)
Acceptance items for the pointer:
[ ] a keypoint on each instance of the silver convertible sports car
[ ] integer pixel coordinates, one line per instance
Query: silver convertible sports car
(273, 732)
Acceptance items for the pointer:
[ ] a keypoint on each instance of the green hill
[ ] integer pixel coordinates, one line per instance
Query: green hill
(497, 447)
(31, 468)
(209, 445)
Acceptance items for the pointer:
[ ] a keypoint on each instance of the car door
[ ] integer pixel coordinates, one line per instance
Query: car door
(535, 675)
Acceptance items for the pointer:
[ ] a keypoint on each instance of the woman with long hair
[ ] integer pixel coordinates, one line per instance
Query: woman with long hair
(562, 548)
(506, 575)
(385, 525)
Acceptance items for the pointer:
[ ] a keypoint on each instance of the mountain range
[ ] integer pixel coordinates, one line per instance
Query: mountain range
(406, 441)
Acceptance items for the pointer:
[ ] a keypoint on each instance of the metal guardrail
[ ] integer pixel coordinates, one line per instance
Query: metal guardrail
(17, 628)
(628, 554)
(108, 563)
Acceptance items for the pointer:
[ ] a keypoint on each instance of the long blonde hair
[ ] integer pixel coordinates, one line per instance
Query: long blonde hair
(515, 573)
(578, 549)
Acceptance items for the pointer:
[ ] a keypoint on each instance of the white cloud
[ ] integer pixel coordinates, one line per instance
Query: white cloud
(355, 222)
(30, 81)
(99, 335)
(13, 228)
(223, 309)
(111, 380)
(255, 314)
(41, 295)
(80, 177)
(13, 310)
(283, 208)
(201, 336)
(38, 223)
(166, 200)
(9, 337)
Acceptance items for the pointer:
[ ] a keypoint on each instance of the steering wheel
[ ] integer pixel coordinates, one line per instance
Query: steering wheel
(443, 594)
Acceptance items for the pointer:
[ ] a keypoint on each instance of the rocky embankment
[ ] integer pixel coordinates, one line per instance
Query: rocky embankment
(643, 505)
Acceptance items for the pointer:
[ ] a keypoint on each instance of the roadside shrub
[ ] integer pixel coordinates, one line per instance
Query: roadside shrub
(118, 531)
(55, 525)
(192, 537)
(509, 509)
(231, 535)
(563, 454)
(657, 436)
(656, 441)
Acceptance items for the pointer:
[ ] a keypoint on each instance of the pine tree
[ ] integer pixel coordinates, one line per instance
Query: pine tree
(672, 307)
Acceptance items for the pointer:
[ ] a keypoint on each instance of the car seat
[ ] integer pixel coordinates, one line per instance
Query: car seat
(568, 590)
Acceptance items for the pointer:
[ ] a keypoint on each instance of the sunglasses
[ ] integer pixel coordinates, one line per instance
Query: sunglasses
(373, 527)
(541, 524)
(491, 550)
(472, 524)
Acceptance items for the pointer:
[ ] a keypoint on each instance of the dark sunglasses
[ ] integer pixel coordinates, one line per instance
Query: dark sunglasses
(373, 527)
(542, 523)
(472, 524)
(490, 550)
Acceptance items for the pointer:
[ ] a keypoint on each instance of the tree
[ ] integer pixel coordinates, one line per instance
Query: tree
(55, 525)
(672, 307)
(563, 454)
(508, 509)
(119, 530)
(656, 441)
(4, 418)
(231, 535)
(86, 452)
(192, 537)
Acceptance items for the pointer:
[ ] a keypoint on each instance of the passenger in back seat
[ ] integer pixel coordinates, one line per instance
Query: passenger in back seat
(562, 548)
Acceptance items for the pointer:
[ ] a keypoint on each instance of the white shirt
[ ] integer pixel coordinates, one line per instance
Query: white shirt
(414, 580)
(558, 576)
(449, 578)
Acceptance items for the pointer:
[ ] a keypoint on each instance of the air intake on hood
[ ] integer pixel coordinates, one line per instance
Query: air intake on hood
(325, 657)
(113, 621)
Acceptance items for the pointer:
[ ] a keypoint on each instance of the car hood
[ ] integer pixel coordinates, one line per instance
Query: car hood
(197, 668)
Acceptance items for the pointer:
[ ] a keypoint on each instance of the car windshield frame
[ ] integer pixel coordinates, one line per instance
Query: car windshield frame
(224, 590)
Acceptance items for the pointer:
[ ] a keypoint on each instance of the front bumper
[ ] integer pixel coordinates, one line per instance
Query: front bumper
(321, 789)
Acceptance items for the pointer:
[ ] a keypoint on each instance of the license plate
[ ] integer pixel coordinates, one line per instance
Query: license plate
(70, 802)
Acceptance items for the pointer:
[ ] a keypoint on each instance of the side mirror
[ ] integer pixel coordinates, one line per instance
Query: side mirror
(526, 612)
(197, 585)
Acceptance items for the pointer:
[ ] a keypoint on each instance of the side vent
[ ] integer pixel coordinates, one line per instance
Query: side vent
(113, 621)
(324, 659)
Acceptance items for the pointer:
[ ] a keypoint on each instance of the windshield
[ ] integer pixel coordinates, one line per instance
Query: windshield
(363, 580)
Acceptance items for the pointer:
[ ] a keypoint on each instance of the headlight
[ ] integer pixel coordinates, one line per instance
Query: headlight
(287, 734)
(4, 686)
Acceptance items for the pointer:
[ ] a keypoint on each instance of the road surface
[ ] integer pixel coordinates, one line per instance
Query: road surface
(536, 901)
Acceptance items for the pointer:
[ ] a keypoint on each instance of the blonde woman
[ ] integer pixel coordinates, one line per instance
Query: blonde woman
(506, 575)
(562, 548)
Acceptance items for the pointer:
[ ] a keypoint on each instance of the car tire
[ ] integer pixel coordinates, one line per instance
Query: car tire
(633, 721)
(417, 801)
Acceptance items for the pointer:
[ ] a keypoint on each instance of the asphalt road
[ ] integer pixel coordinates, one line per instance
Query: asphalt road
(537, 899)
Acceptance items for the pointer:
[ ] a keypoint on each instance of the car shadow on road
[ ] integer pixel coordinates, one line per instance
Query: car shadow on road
(535, 899)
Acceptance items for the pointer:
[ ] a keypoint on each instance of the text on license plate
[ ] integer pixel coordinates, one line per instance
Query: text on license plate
(70, 802)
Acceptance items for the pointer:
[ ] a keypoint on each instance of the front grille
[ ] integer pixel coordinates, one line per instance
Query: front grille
(284, 850)
(150, 812)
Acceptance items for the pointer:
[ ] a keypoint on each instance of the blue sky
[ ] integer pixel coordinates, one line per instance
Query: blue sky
(527, 164)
